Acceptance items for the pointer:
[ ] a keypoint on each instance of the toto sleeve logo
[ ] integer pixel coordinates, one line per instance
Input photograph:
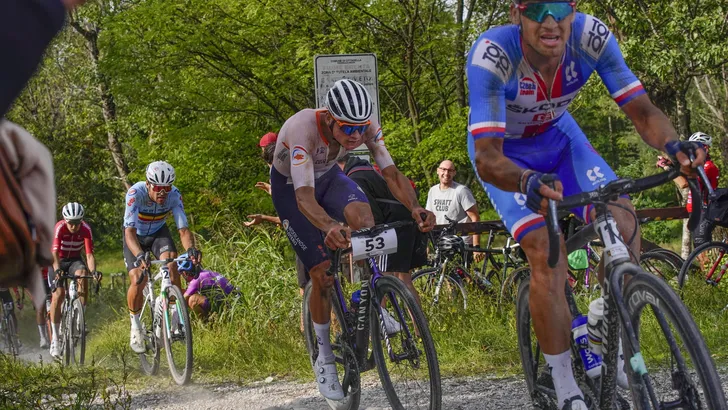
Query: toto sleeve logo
(299, 156)
(492, 57)
(595, 36)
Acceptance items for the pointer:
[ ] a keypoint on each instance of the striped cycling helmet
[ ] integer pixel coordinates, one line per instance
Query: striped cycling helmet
(160, 173)
(349, 101)
(72, 211)
(702, 138)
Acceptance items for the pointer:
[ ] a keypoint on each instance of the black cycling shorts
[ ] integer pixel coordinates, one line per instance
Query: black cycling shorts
(158, 243)
(411, 251)
(71, 265)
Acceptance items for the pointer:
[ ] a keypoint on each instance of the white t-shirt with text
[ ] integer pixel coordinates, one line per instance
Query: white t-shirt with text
(451, 202)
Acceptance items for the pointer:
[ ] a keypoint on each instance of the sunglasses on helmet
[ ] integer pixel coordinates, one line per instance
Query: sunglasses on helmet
(538, 12)
(349, 128)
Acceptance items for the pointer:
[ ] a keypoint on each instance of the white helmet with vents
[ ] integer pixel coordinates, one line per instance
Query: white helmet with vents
(72, 211)
(349, 101)
(160, 173)
(702, 138)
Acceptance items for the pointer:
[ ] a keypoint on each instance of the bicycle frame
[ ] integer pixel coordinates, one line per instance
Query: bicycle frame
(723, 267)
(368, 298)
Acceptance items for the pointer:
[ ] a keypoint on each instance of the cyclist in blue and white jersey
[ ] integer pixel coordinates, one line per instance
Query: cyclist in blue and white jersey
(148, 204)
(522, 78)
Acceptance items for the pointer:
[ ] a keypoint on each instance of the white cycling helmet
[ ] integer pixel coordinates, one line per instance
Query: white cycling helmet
(160, 173)
(349, 101)
(72, 211)
(702, 138)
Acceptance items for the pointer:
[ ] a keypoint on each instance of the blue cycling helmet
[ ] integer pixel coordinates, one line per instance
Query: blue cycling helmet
(184, 264)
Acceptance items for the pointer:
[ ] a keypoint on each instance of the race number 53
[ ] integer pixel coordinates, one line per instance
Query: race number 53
(364, 247)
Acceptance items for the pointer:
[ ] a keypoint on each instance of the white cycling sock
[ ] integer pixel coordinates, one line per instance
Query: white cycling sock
(135, 323)
(55, 330)
(41, 330)
(324, 344)
(563, 376)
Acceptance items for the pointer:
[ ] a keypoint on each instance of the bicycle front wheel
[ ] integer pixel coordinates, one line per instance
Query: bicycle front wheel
(177, 335)
(12, 337)
(443, 292)
(672, 347)
(407, 362)
(77, 333)
(150, 358)
(700, 279)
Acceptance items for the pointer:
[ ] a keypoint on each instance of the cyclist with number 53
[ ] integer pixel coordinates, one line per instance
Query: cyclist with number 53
(522, 78)
(148, 204)
(312, 195)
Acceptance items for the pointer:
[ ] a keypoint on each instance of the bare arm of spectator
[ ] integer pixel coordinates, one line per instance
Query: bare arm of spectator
(475, 217)
(264, 186)
(257, 219)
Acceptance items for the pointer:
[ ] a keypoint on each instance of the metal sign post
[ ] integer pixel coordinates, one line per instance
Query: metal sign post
(329, 68)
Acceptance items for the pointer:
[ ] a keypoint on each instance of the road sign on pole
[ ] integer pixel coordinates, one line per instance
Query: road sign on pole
(329, 68)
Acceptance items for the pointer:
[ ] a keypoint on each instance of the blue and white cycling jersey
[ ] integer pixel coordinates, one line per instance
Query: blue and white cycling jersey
(146, 215)
(509, 99)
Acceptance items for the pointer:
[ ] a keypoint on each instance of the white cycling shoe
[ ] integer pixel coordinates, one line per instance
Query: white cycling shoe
(328, 380)
(575, 403)
(136, 341)
(55, 349)
(44, 342)
(390, 323)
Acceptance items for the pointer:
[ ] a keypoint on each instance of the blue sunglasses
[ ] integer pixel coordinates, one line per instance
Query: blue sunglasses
(349, 128)
(538, 12)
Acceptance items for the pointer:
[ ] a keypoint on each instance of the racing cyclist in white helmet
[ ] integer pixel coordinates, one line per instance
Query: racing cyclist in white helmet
(148, 204)
(312, 196)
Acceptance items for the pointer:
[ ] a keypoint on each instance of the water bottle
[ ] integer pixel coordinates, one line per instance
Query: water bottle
(355, 299)
(48, 304)
(592, 362)
(594, 327)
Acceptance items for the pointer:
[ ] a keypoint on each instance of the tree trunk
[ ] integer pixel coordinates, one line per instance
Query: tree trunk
(683, 113)
(108, 106)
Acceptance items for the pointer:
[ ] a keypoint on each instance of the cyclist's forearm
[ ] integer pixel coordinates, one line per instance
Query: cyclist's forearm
(312, 210)
(91, 262)
(650, 122)
(400, 187)
(56, 261)
(494, 167)
(132, 242)
(188, 240)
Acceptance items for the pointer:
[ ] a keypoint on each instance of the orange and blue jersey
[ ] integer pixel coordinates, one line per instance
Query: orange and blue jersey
(146, 215)
(509, 99)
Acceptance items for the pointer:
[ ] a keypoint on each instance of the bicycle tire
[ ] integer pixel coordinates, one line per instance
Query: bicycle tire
(661, 264)
(509, 290)
(425, 281)
(386, 287)
(645, 289)
(695, 288)
(181, 374)
(677, 259)
(150, 358)
(12, 339)
(77, 333)
(345, 358)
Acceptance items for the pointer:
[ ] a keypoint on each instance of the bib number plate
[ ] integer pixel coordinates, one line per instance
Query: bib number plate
(368, 246)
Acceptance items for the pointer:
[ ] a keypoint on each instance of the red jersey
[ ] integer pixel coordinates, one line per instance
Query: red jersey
(712, 172)
(69, 245)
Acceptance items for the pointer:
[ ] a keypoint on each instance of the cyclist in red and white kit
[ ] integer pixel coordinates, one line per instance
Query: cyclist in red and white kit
(72, 235)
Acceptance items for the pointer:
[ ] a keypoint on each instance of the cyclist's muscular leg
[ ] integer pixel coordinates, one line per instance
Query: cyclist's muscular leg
(82, 285)
(549, 310)
(173, 274)
(134, 296)
(321, 285)
(626, 225)
(56, 302)
(358, 215)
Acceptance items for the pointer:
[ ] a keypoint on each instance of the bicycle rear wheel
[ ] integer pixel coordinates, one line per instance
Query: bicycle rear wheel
(346, 364)
(663, 265)
(509, 290)
(672, 347)
(700, 279)
(12, 336)
(446, 296)
(77, 333)
(150, 358)
(407, 363)
(177, 331)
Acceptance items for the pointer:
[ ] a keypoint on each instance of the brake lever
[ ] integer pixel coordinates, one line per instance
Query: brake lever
(552, 225)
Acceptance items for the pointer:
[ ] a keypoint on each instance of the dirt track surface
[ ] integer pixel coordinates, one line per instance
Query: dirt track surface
(458, 394)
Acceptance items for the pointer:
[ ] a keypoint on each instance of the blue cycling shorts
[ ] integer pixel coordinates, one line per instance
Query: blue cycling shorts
(562, 150)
